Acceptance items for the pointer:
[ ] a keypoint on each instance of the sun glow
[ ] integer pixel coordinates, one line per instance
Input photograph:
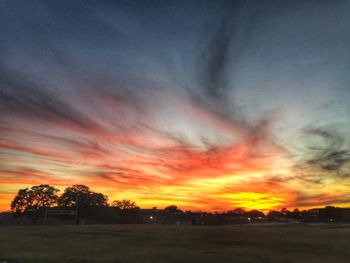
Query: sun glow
(251, 200)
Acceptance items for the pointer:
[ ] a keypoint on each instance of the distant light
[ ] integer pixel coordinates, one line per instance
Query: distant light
(248, 218)
(151, 217)
(259, 217)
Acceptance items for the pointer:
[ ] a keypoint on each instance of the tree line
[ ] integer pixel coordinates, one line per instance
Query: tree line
(39, 201)
(35, 201)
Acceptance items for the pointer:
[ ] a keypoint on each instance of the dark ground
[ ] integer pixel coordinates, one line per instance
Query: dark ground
(159, 243)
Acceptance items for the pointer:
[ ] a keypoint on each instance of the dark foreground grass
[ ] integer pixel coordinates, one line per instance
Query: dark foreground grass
(156, 243)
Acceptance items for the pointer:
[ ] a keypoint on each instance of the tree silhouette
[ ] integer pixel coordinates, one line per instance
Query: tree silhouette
(254, 213)
(296, 214)
(237, 211)
(87, 204)
(330, 214)
(172, 209)
(82, 196)
(34, 199)
(274, 215)
(124, 204)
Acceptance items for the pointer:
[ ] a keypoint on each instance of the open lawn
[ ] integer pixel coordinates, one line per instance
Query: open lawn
(158, 243)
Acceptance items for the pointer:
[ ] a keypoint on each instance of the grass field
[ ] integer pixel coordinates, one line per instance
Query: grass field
(157, 243)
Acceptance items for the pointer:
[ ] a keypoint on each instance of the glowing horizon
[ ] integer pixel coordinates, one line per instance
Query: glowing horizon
(205, 106)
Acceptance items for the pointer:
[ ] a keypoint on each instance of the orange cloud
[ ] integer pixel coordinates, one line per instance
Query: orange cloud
(155, 167)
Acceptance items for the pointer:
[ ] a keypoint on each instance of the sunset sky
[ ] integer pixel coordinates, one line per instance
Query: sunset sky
(207, 105)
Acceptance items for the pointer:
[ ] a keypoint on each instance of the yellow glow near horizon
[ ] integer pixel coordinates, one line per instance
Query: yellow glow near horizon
(252, 200)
